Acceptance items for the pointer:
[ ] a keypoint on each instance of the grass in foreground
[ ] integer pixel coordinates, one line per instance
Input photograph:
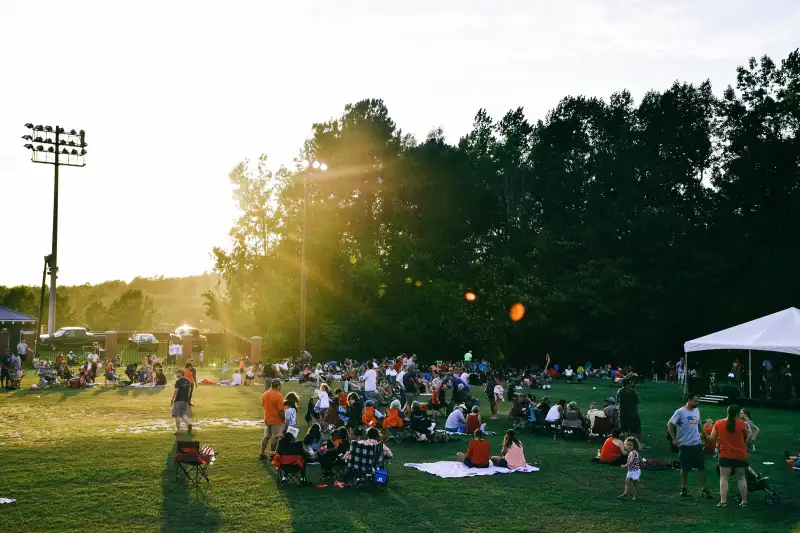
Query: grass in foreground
(101, 460)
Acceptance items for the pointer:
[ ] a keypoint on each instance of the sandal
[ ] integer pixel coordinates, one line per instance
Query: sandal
(720, 504)
(743, 505)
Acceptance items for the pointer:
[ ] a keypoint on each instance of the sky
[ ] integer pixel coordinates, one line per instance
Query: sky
(173, 94)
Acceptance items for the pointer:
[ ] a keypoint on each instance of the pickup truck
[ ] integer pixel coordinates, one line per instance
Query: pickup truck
(198, 340)
(71, 338)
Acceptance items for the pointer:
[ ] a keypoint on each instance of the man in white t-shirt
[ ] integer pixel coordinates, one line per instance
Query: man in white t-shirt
(593, 413)
(22, 350)
(684, 428)
(370, 380)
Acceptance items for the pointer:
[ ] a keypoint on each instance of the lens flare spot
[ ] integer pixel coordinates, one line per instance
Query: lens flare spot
(470, 296)
(409, 281)
(353, 260)
(517, 312)
(418, 283)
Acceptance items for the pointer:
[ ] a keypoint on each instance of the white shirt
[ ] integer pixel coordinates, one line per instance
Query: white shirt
(400, 376)
(95, 357)
(498, 390)
(180, 349)
(370, 381)
(323, 402)
(201, 356)
(391, 372)
(22, 348)
(553, 415)
(594, 413)
(237, 379)
(173, 349)
(568, 372)
(465, 377)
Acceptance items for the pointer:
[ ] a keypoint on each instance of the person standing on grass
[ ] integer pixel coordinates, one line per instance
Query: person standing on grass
(180, 400)
(272, 403)
(490, 394)
(188, 373)
(634, 466)
(684, 429)
(731, 434)
(22, 350)
(628, 403)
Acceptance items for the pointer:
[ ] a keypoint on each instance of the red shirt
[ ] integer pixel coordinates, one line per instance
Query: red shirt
(478, 452)
(732, 445)
(472, 423)
(610, 451)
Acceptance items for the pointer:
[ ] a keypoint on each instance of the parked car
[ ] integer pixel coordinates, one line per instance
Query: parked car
(144, 342)
(198, 340)
(71, 338)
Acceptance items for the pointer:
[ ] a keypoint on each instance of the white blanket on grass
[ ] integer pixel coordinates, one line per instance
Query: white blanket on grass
(448, 469)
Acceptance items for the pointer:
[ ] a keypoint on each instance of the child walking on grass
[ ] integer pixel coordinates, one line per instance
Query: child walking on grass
(634, 466)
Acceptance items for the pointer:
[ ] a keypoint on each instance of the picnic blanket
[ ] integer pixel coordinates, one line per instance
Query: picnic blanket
(448, 469)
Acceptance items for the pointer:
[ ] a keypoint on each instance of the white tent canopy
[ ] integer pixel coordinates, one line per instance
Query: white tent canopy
(778, 332)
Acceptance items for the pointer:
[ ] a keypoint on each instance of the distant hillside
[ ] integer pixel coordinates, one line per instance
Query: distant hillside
(175, 301)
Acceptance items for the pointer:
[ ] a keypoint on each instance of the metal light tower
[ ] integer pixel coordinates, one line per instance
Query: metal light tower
(55, 146)
(309, 168)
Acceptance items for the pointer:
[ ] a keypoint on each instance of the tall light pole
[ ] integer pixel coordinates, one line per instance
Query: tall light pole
(308, 169)
(55, 146)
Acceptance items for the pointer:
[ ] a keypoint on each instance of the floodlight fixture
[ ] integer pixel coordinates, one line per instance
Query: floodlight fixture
(315, 164)
(323, 166)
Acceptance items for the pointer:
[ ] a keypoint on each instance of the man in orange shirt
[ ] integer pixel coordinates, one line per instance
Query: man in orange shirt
(272, 403)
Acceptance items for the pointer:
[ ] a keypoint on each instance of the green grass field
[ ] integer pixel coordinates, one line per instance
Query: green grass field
(101, 460)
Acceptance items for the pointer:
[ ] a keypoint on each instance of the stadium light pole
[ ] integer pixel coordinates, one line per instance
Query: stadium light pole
(309, 168)
(55, 146)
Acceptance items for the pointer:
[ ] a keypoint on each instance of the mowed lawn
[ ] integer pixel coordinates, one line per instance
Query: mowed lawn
(101, 460)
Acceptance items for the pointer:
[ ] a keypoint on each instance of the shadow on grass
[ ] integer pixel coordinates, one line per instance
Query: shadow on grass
(187, 508)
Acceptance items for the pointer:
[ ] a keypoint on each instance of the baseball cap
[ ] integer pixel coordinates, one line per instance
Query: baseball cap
(276, 381)
(610, 399)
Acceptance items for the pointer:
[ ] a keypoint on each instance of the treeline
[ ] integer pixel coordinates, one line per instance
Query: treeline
(144, 304)
(624, 228)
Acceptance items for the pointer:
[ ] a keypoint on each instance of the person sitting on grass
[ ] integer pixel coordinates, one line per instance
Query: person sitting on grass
(160, 379)
(613, 451)
(332, 420)
(477, 455)
(237, 378)
(556, 413)
(421, 422)
(634, 466)
(512, 453)
(474, 421)
(456, 423)
(574, 419)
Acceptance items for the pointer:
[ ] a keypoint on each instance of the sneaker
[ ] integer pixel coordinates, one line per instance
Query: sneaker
(622, 497)
(338, 485)
(321, 486)
(684, 492)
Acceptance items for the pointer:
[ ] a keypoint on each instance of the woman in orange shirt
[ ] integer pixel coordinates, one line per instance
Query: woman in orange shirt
(393, 417)
(731, 435)
(612, 452)
(477, 453)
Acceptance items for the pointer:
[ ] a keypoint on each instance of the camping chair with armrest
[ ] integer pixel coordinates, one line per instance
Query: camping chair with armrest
(601, 428)
(364, 460)
(191, 463)
(289, 469)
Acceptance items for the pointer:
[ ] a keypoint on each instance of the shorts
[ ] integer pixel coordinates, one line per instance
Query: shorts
(179, 409)
(732, 463)
(634, 475)
(503, 463)
(273, 431)
(691, 457)
(629, 422)
(468, 464)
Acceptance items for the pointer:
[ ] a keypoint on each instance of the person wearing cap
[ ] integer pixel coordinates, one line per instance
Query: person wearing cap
(456, 422)
(610, 410)
(272, 404)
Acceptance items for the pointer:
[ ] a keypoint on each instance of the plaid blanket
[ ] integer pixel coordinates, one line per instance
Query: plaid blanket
(365, 456)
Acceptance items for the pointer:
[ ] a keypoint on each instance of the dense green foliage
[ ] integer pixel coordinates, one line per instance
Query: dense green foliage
(624, 229)
(143, 304)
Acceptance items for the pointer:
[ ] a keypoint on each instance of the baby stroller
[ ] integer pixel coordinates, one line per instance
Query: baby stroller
(756, 482)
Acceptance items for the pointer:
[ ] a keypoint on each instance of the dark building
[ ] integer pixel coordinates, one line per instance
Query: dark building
(12, 324)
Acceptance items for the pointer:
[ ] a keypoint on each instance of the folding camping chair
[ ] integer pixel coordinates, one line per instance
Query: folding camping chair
(191, 463)
(366, 460)
(395, 434)
(601, 428)
(287, 470)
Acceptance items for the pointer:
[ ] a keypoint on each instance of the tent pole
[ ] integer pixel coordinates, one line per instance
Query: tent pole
(685, 372)
(750, 372)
